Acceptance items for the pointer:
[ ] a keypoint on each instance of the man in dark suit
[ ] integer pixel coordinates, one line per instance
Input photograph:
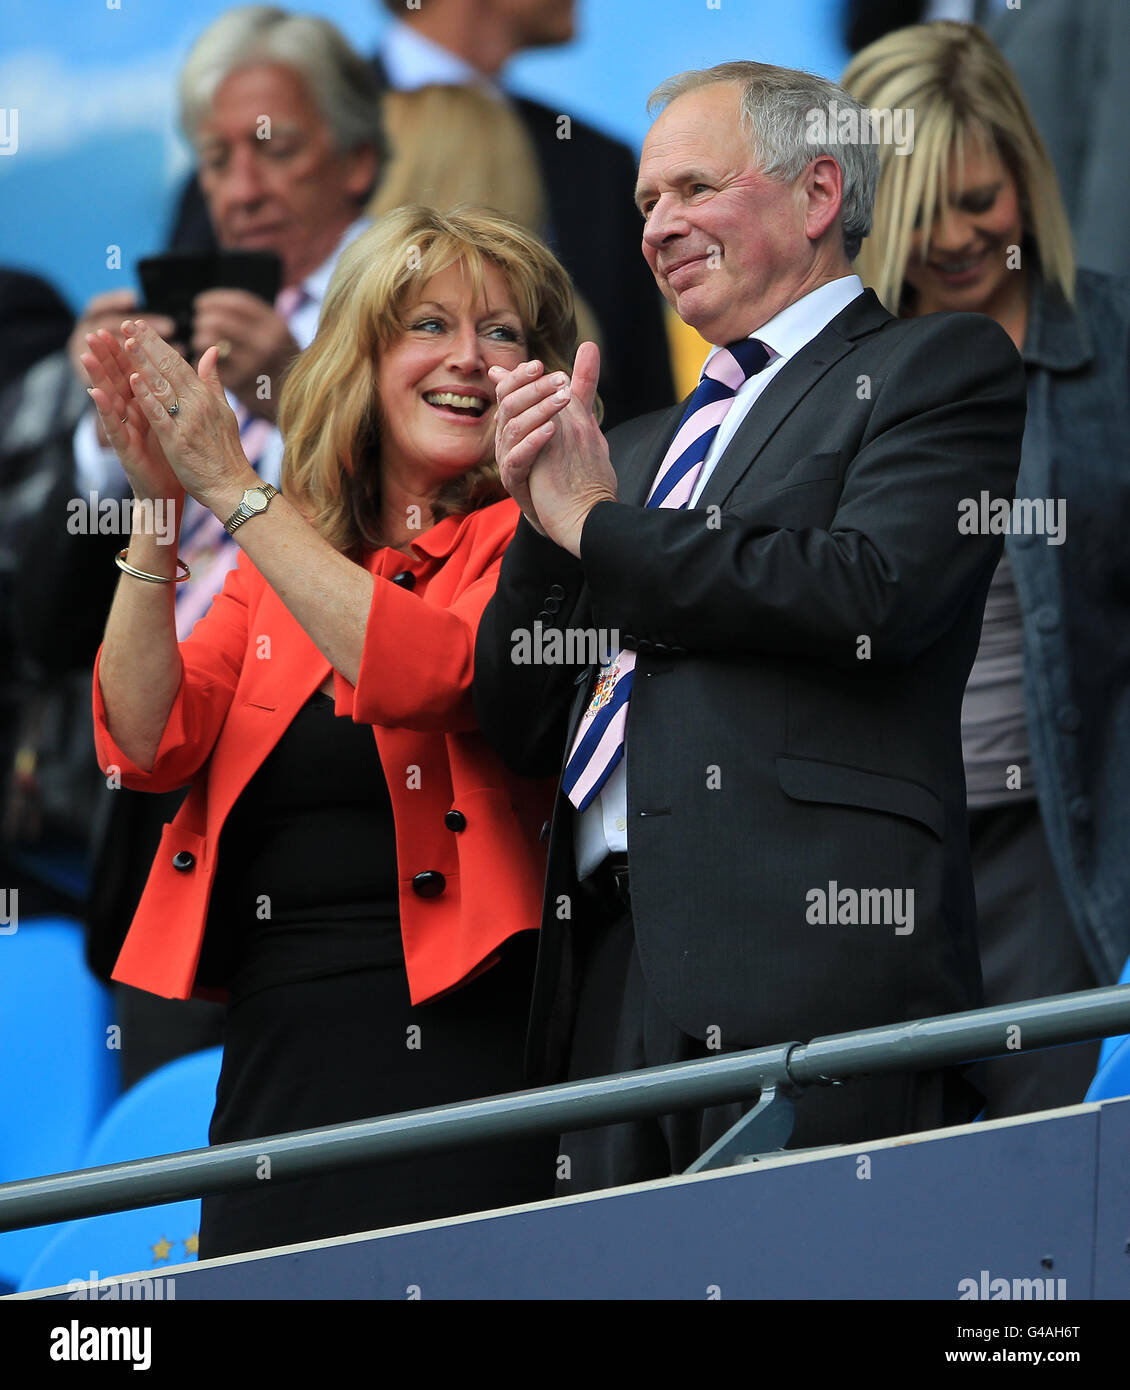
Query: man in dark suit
(775, 847)
(587, 177)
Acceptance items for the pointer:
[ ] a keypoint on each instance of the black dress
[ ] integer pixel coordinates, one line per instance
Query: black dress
(319, 1027)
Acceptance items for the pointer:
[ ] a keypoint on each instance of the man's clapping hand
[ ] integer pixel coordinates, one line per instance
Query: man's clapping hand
(552, 456)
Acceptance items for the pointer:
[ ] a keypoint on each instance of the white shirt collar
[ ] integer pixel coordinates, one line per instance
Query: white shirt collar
(798, 323)
(412, 61)
(317, 282)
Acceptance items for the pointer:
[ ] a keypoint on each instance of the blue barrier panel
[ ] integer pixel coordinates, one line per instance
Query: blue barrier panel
(1018, 1208)
(1112, 1204)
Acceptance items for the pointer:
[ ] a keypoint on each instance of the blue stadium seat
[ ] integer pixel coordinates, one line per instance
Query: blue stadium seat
(1113, 1076)
(166, 1112)
(59, 1076)
(1111, 1045)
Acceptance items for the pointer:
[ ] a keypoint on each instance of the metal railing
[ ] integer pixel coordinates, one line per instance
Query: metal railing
(780, 1073)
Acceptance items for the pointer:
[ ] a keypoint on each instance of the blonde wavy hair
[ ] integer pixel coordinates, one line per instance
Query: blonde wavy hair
(960, 89)
(452, 145)
(328, 409)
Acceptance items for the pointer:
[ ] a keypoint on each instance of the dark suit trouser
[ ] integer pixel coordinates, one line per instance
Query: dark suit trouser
(618, 1026)
(1029, 949)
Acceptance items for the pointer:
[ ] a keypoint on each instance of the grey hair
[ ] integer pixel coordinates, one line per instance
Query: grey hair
(777, 108)
(343, 86)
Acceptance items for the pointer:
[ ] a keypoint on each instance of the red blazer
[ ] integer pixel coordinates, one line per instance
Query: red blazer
(249, 668)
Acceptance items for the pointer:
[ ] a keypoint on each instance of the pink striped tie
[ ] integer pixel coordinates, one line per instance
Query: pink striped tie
(599, 744)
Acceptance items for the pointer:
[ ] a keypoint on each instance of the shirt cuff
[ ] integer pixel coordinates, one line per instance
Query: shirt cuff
(96, 469)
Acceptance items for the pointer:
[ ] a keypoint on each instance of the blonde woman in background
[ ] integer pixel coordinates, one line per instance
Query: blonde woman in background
(457, 144)
(453, 145)
(972, 221)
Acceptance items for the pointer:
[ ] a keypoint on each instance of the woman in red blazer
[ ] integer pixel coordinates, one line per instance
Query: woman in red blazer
(352, 869)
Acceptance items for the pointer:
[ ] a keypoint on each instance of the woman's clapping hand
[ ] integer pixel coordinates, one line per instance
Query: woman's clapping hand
(123, 422)
(175, 415)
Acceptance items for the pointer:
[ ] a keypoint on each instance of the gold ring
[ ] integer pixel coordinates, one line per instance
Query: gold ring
(223, 349)
(174, 409)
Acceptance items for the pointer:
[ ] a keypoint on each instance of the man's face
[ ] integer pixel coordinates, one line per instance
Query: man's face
(535, 23)
(270, 173)
(728, 247)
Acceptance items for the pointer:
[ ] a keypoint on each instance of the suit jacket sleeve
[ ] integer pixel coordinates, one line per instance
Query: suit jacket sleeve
(1103, 210)
(893, 565)
(211, 659)
(522, 708)
(419, 653)
(34, 321)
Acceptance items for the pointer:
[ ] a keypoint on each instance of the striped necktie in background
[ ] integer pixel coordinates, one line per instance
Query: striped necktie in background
(204, 545)
(599, 744)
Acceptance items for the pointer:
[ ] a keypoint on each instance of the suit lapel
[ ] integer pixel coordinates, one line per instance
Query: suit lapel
(300, 666)
(637, 463)
(284, 669)
(787, 389)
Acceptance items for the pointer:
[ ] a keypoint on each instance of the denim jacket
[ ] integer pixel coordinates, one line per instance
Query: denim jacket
(1075, 599)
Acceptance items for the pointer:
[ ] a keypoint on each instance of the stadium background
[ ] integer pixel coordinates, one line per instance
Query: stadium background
(99, 155)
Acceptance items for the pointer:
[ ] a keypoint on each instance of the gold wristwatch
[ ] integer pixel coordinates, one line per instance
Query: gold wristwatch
(255, 500)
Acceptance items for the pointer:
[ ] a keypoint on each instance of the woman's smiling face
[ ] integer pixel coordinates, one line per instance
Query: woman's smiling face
(437, 402)
(967, 253)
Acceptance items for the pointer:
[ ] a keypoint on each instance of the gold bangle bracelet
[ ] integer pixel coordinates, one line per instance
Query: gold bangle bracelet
(123, 564)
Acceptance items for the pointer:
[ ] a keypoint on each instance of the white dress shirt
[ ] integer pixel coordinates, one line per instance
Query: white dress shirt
(410, 60)
(602, 829)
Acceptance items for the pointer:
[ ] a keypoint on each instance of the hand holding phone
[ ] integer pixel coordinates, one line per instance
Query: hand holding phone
(171, 283)
(226, 299)
(255, 344)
